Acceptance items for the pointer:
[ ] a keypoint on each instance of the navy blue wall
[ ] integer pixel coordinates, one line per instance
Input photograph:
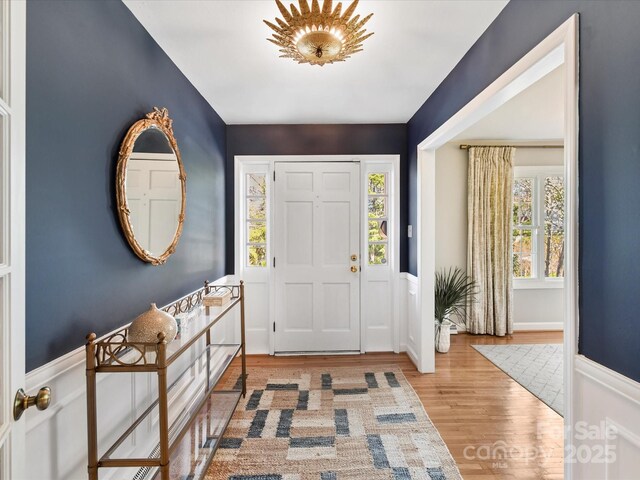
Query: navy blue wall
(373, 139)
(93, 70)
(609, 154)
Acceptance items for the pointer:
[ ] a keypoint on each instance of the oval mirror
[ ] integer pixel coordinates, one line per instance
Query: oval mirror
(151, 188)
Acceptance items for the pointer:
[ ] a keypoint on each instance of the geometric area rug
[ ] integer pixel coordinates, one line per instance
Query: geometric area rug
(538, 368)
(330, 424)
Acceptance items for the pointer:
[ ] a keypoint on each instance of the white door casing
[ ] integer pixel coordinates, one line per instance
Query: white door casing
(12, 235)
(561, 46)
(316, 233)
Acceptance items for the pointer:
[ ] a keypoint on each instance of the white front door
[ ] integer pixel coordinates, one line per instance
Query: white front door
(12, 234)
(316, 233)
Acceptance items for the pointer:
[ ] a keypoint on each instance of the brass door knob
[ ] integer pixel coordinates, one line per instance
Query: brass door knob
(354, 257)
(23, 401)
(354, 269)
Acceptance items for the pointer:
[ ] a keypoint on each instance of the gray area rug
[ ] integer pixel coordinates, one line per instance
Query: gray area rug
(538, 368)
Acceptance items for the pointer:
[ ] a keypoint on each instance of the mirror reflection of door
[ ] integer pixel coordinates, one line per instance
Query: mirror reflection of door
(154, 191)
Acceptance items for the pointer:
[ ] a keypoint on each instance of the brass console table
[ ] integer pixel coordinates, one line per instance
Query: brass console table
(189, 432)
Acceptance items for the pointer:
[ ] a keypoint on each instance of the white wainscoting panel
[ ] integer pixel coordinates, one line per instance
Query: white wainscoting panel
(411, 317)
(605, 401)
(59, 434)
(402, 312)
(257, 315)
(377, 314)
(626, 446)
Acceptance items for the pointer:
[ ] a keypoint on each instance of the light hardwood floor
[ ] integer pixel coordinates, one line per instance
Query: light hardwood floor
(478, 409)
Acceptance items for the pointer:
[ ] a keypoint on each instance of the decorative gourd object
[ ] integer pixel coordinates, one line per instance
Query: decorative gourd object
(146, 327)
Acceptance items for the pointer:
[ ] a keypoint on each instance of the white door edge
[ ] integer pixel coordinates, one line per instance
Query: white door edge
(13, 72)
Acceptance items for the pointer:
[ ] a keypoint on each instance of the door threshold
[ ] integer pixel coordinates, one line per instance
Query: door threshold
(332, 352)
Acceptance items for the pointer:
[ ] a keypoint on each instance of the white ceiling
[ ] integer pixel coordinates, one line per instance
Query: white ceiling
(537, 113)
(221, 46)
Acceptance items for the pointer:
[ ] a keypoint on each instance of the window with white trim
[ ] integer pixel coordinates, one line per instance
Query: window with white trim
(378, 218)
(538, 226)
(256, 219)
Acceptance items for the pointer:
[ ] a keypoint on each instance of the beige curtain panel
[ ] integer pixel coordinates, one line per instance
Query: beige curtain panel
(489, 257)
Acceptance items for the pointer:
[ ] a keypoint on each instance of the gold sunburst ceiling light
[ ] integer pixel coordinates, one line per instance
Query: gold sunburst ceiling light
(315, 36)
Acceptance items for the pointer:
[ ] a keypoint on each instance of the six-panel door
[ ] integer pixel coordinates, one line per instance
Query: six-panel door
(316, 229)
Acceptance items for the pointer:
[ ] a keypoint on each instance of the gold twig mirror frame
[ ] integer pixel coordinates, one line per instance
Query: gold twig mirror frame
(137, 172)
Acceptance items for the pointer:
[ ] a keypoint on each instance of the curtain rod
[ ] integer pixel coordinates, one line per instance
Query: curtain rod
(465, 146)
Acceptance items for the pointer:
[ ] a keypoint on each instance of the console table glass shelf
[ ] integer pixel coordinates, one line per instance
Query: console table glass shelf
(190, 431)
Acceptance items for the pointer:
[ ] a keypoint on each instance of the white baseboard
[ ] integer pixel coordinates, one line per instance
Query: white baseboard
(537, 326)
(523, 327)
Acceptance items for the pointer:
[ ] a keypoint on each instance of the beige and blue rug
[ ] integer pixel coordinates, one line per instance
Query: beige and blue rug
(537, 367)
(331, 424)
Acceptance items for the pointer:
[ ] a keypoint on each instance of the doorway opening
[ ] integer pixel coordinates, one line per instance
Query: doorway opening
(558, 49)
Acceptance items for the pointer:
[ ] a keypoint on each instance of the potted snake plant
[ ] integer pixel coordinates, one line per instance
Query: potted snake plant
(453, 291)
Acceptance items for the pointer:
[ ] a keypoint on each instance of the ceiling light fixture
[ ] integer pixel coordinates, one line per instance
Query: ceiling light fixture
(315, 36)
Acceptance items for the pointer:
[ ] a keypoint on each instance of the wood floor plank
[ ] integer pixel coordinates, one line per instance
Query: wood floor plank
(494, 428)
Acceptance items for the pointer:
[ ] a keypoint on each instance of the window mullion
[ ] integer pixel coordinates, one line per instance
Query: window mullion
(540, 234)
(535, 219)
